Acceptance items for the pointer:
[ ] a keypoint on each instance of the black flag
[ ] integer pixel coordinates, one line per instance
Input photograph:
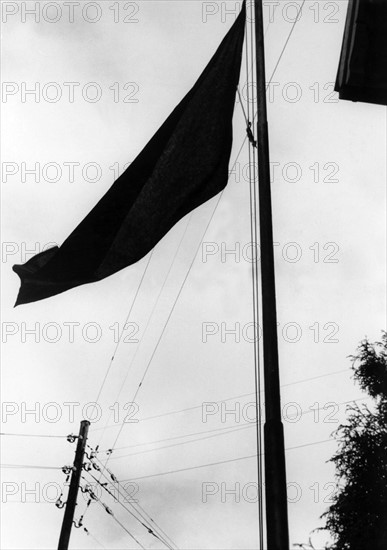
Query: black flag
(184, 165)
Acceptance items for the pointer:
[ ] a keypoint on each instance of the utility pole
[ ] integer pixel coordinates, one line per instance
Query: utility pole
(73, 489)
(275, 471)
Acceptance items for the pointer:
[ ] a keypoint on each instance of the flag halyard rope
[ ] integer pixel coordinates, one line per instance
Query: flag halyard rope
(254, 276)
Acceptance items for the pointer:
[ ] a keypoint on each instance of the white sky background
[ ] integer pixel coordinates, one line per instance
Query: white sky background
(163, 53)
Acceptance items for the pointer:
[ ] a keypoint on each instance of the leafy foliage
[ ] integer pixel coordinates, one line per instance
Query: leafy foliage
(357, 518)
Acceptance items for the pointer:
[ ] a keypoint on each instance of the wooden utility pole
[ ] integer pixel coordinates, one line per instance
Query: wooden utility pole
(74, 485)
(275, 472)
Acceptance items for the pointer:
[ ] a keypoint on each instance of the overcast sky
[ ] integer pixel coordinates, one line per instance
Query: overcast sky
(329, 228)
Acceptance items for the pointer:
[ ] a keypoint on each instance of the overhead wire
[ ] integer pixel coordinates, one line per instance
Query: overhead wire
(186, 409)
(185, 442)
(107, 509)
(150, 317)
(121, 334)
(169, 439)
(165, 325)
(229, 429)
(286, 43)
(33, 435)
(133, 504)
(149, 529)
(163, 537)
(105, 488)
(170, 313)
(224, 461)
(148, 322)
(93, 537)
(168, 319)
(156, 525)
(123, 327)
(30, 466)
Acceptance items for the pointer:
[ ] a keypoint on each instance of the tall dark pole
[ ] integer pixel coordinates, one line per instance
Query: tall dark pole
(73, 489)
(275, 472)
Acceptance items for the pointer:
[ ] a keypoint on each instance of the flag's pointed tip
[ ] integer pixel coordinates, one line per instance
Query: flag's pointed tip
(16, 269)
(20, 298)
(28, 293)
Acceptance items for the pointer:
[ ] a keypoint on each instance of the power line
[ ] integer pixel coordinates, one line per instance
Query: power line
(132, 504)
(166, 323)
(314, 378)
(157, 525)
(30, 466)
(224, 461)
(286, 43)
(33, 435)
(168, 318)
(93, 537)
(123, 327)
(151, 315)
(108, 511)
(120, 337)
(242, 395)
(176, 437)
(93, 456)
(103, 485)
(252, 425)
(225, 431)
(239, 428)
(230, 398)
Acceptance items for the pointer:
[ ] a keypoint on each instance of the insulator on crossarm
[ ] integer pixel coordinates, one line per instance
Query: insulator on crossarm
(79, 524)
(59, 503)
(86, 488)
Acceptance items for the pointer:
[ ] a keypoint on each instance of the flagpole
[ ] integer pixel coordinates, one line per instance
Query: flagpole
(275, 471)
